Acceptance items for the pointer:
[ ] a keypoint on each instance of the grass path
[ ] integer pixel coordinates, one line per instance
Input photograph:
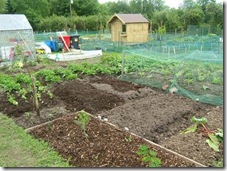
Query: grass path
(19, 149)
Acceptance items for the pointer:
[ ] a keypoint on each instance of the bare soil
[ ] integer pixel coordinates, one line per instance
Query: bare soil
(147, 112)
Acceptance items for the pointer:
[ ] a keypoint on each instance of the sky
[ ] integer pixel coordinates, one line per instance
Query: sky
(170, 3)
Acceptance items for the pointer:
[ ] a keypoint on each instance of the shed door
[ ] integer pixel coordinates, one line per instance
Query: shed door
(116, 29)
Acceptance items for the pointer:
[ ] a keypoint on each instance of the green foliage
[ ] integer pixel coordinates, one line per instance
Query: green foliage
(197, 122)
(148, 156)
(91, 69)
(219, 163)
(12, 99)
(201, 120)
(213, 142)
(22, 78)
(194, 16)
(55, 22)
(214, 138)
(8, 83)
(217, 80)
(30, 152)
(82, 119)
(90, 14)
(161, 30)
(48, 75)
(219, 134)
(65, 73)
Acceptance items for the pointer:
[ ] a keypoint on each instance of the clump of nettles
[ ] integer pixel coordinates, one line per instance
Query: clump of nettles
(82, 119)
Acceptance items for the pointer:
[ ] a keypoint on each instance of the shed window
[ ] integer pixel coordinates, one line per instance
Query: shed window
(124, 28)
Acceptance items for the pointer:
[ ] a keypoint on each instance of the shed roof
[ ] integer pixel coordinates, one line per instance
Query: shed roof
(129, 18)
(14, 22)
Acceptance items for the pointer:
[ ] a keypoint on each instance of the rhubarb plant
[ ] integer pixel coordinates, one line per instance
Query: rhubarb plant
(214, 137)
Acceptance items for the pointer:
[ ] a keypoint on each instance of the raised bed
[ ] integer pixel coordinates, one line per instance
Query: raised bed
(106, 146)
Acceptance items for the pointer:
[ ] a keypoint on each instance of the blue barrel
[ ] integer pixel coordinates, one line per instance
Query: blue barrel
(53, 45)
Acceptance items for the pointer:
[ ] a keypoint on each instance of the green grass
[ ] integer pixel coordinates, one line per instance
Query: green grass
(19, 149)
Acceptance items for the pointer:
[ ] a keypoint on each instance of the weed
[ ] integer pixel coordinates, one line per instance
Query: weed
(82, 119)
(27, 115)
(148, 156)
(128, 139)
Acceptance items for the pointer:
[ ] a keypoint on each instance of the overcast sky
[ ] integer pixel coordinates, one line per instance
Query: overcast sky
(170, 3)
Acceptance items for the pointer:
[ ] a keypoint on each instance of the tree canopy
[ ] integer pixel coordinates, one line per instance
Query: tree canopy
(191, 12)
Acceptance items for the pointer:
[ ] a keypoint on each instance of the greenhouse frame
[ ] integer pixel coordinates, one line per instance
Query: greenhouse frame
(15, 31)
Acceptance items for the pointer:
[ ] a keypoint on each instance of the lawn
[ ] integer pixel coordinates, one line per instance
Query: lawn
(19, 149)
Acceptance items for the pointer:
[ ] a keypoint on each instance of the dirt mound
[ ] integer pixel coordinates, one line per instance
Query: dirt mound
(78, 96)
(152, 116)
(121, 86)
(24, 105)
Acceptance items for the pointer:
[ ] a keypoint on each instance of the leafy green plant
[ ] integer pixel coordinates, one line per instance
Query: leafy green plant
(197, 122)
(12, 99)
(148, 156)
(8, 83)
(65, 73)
(214, 136)
(23, 79)
(82, 119)
(48, 75)
(216, 80)
(215, 139)
(201, 77)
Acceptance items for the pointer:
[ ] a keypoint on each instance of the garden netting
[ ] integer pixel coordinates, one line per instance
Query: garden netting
(191, 63)
(191, 66)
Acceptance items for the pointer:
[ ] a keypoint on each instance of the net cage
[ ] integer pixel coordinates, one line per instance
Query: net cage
(16, 38)
(191, 66)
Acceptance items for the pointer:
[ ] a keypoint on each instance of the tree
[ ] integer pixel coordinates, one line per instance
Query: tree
(136, 6)
(159, 19)
(173, 20)
(59, 7)
(34, 10)
(203, 3)
(119, 7)
(86, 7)
(103, 9)
(2, 6)
(188, 4)
(214, 14)
(194, 16)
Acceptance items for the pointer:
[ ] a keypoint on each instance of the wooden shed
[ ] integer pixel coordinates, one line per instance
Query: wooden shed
(129, 28)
